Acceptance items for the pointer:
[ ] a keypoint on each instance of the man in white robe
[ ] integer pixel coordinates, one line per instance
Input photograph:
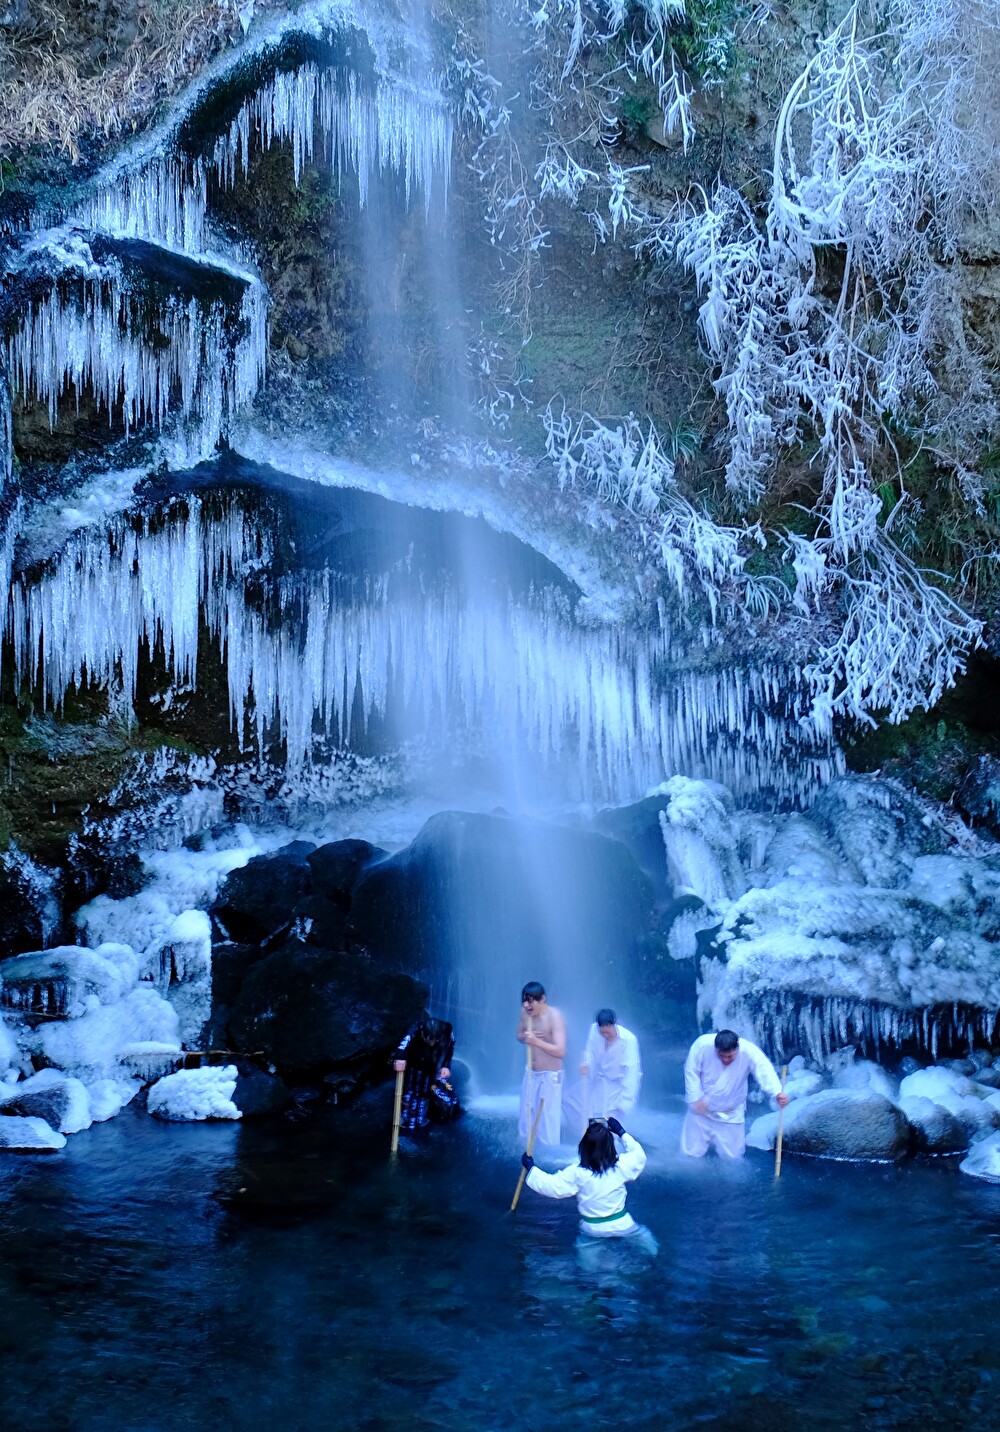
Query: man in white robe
(611, 1069)
(716, 1073)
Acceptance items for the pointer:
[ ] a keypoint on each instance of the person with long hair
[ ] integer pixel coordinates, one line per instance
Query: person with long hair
(425, 1053)
(597, 1181)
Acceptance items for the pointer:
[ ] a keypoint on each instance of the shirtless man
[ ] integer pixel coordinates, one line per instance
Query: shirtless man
(543, 1029)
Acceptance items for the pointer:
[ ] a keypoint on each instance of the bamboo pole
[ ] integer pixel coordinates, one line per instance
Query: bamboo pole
(529, 1150)
(586, 1102)
(781, 1128)
(397, 1109)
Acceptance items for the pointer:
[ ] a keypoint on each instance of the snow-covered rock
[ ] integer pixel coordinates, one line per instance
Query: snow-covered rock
(109, 1096)
(936, 1129)
(181, 967)
(983, 1159)
(149, 1060)
(29, 1136)
(936, 1083)
(91, 1044)
(193, 1094)
(866, 1075)
(66, 981)
(61, 1101)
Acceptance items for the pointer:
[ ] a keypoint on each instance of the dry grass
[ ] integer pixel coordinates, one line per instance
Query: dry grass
(75, 70)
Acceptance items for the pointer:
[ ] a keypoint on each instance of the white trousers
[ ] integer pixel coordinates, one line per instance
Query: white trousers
(541, 1084)
(701, 1132)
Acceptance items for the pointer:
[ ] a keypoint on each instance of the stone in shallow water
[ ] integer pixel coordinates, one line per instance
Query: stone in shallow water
(937, 1130)
(61, 1102)
(838, 1124)
(29, 1136)
(983, 1160)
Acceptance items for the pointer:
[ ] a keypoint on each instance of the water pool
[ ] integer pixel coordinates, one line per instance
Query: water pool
(155, 1277)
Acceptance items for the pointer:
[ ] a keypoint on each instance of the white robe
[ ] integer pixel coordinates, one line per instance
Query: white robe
(612, 1086)
(600, 1197)
(724, 1090)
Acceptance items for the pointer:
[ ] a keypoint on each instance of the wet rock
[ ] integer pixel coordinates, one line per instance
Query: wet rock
(29, 1136)
(230, 964)
(320, 921)
(256, 901)
(306, 1010)
(503, 886)
(936, 1129)
(638, 827)
(336, 866)
(258, 1093)
(847, 1124)
(989, 1078)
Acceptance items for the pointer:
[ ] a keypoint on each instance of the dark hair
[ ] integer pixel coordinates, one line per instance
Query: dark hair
(597, 1148)
(532, 990)
(604, 1017)
(726, 1041)
(433, 1029)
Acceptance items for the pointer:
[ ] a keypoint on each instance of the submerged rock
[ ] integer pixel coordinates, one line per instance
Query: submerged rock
(258, 1093)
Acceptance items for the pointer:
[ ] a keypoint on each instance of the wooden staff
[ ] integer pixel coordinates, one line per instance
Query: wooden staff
(781, 1127)
(530, 1149)
(397, 1110)
(586, 1102)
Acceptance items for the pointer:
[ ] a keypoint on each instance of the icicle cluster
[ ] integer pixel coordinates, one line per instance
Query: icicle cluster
(90, 334)
(590, 704)
(790, 1024)
(94, 338)
(392, 127)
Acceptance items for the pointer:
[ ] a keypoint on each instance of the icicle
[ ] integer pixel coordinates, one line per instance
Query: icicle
(517, 673)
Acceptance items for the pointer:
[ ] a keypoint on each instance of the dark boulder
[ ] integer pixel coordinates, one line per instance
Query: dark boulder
(638, 827)
(230, 963)
(336, 866)
(258, 1093)
(516, 889)
(320, 921)
(847, 1124)
(257, 901)
(306, 1010)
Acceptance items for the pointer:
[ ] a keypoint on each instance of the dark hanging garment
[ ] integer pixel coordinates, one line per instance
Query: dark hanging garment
(427, 1046)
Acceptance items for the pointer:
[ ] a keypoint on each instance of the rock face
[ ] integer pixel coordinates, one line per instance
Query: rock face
(847, 1124)
(470, 882)
(258, 900)
(306, 1010)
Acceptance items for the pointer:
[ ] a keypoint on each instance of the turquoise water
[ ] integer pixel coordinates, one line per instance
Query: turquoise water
(290, 1276)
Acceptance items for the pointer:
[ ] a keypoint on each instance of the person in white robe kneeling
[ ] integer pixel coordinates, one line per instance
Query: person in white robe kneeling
(598, 1182)
(716, 1073)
